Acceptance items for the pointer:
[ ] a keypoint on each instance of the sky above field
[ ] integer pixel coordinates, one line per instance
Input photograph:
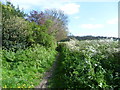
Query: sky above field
(86, 17)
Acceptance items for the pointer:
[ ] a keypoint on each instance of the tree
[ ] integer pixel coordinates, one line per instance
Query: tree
(18, 33)
(58, 25)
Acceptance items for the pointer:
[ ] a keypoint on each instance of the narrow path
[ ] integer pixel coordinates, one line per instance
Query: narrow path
(44, 83)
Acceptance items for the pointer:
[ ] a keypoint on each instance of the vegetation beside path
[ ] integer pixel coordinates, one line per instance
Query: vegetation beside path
(89, 64)
(29, 49)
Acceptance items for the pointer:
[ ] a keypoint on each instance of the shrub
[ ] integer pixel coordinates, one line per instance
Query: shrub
(19, 34)
(15, 32)
(25, 68)
(40, 36)
(93, 65)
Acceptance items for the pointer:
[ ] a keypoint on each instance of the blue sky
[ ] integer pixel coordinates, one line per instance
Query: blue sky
(86, 17)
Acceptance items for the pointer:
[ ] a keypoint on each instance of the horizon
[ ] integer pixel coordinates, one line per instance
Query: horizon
(90, 36)
(93, 18)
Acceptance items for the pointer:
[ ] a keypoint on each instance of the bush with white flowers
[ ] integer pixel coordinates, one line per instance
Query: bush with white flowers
(88, 64)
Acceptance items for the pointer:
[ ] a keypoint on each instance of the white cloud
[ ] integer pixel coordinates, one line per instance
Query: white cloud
(70, 8)
(90, 0)
(25, 7)
(67, 7)
(27, 2)
(76, 17)
(112, 21)
(91, 26)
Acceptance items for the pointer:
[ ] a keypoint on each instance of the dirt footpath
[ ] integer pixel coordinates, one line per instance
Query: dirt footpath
(44, 83)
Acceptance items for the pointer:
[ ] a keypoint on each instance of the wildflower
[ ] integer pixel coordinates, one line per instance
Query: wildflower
(95, 64)
(29, 87)
(89, 77)
(100, 84)
(5, 86)
(18, 86)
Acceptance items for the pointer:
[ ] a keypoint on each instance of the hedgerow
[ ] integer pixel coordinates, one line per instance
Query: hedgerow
(88, 64)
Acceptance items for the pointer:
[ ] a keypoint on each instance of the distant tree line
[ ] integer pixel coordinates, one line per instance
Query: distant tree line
(89, 38)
